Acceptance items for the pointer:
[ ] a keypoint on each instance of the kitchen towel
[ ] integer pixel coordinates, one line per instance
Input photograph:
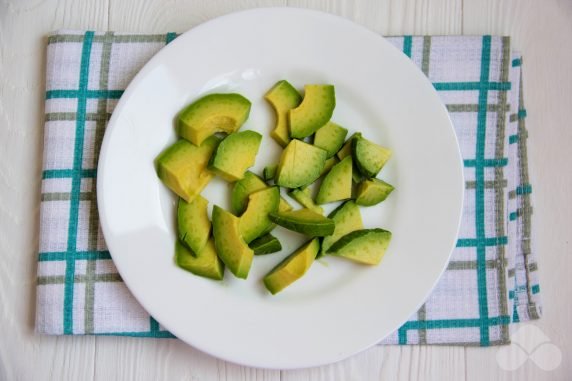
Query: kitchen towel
(490, 283)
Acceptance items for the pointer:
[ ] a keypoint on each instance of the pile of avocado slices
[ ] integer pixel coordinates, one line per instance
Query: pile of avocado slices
(315, 149)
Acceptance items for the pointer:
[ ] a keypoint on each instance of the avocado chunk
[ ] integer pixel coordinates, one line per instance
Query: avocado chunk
(372, 191)
(337, 185)
(250, 183)
(235, 154)
(269, 172)
(210, 114)
(346, 149)
(254, 222)
(329, 164)
(314, 112)
(267, 244)
(292, 268)
(304, 221)
(283, 97)
(206, 263)
(305, 200)
(369, 157)
(183, 167)
(347, 218)
(365, 246)
(193, 224)
(300, 164)
(330, 137)
(230, 246)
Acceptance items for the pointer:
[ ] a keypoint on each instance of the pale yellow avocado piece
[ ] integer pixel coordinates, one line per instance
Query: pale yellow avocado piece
(283, 97)
(183, 167)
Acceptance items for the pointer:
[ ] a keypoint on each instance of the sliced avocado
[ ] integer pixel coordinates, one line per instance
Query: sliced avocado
(250, 183)
(235, 154)
(269, 172)
(292, 268)
(330, 137)
(212, 113)
(230, 246)
(254, 222)
(205, 263)
(373, 191)
(183, 167)
(314, 112)
(337, 185)
(304, 221)
(369, 157)
(346, 149)
(347, 218)
(364, 246)
(300, 164)
(283, 97)
(305, 200)
(267, 244)
(193, 224)
(329, 164)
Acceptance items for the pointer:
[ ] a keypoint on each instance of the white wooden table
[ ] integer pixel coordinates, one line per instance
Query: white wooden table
(542, 30)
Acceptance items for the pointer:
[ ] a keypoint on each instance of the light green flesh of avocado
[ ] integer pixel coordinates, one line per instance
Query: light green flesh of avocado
(235, 154)
(183, 167)
(300, 164)
(346, 149)
(329, 164)
(292, 267)
(193, 224)
(283, 97)
(304, 221)
(210, 114)
(330, 138)
(365, 246)
(369, 157)
(372, 192)
(230, 246)
(267, 244)
(314, 112)
(337, 185)
(206, 263)
(250, 183)
(254, 222)
(305, 200)
(347, 218)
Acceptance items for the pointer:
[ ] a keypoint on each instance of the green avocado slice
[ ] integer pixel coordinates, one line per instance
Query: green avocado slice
(210, 114)
(369, 157)
(230, 246)
(206, 263)
(267, 244)
(347, 217)
(300, 164)
(304, 221)
(365, 246)
(283, 97)
(193, 224)
(292, 267)
(314, 112)
(330, 137)
(183, 167)
(235, 154)
(372, 191)
(250, 183)
(254, 222)
(337, 185)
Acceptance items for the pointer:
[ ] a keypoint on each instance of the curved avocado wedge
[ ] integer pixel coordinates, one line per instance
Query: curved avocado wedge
(254, 222)
(292, 267)
(347, 218)
(369, 157)
(193, 224)
(314, 112)
(210, 114)
(373, 191)
(330, 138)
(304, 221)
(206, 263)
(235, 154)
(283, 97)
(300, 164)
(230, 246)
(365, 246)
(250, 183)
(267, 244)
(337, 185)
(183, 167)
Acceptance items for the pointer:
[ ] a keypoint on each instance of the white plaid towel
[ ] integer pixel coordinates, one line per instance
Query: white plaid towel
(491, 280)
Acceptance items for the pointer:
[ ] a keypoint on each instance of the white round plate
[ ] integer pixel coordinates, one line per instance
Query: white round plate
(338, 308)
